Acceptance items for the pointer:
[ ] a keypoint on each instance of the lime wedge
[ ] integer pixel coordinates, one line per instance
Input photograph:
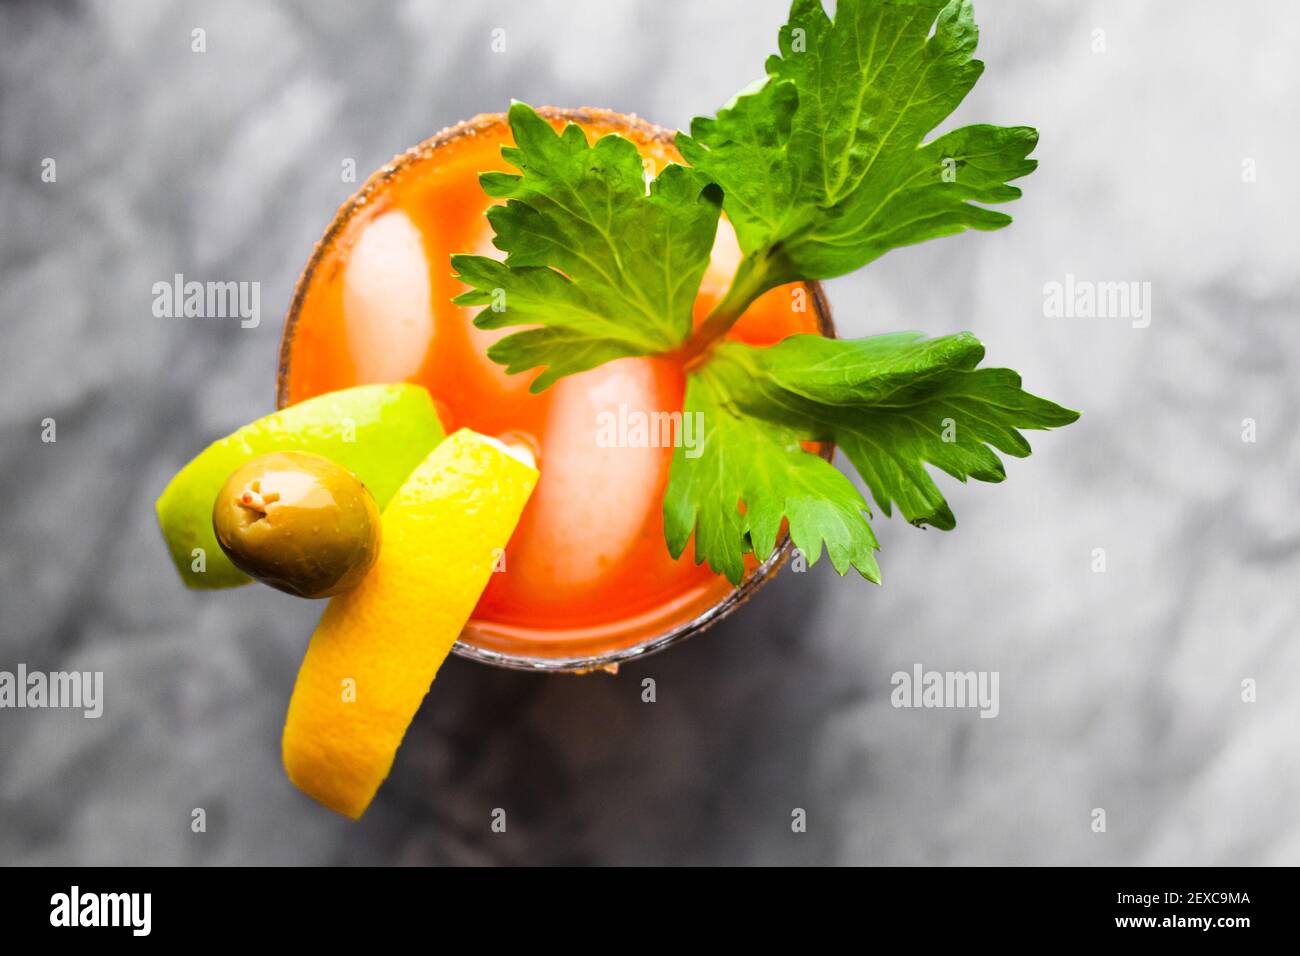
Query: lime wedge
(378, 432)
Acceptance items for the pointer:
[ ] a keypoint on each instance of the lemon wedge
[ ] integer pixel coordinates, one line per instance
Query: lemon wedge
(378, 647)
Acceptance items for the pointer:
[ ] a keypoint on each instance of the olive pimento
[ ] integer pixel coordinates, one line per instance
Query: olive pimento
(298, 522)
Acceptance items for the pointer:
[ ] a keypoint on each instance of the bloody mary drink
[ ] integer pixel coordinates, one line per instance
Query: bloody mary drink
(587, 579)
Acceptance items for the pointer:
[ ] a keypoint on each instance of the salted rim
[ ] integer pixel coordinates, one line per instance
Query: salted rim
(637, 130)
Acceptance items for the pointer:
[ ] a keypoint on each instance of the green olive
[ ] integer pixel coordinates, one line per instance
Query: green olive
(298, 522)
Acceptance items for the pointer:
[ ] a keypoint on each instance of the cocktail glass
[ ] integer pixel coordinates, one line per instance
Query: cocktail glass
(304, 369)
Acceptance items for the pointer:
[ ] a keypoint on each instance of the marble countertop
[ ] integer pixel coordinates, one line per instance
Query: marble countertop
(1119, 690)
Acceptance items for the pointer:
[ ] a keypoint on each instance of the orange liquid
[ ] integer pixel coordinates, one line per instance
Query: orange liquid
(587, 569)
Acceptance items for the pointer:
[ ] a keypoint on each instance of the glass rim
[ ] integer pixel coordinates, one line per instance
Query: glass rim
(638, 130)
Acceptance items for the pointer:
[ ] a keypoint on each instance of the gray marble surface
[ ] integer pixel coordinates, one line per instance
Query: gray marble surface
(1119, 690)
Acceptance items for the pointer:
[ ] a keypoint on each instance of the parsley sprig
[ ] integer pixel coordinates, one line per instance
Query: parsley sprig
(601, 265)
(821, 169)
(893, 403)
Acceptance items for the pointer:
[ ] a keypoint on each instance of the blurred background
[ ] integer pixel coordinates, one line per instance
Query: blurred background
(1166, 134)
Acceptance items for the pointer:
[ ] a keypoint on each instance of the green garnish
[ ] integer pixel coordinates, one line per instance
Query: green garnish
(824, 167)
(821, 169)
(892, 403)
(629, 259)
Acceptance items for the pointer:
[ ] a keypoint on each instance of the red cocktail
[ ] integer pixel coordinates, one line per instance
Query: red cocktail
(587, 580)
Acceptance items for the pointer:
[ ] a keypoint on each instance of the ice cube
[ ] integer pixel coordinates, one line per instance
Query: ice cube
(481, 340)
(723, 260)
(595, 495)
(387, 306)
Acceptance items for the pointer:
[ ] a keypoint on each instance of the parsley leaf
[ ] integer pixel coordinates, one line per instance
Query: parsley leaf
(893, 403)
(824, 168)
(762, 464)
(601, 266)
